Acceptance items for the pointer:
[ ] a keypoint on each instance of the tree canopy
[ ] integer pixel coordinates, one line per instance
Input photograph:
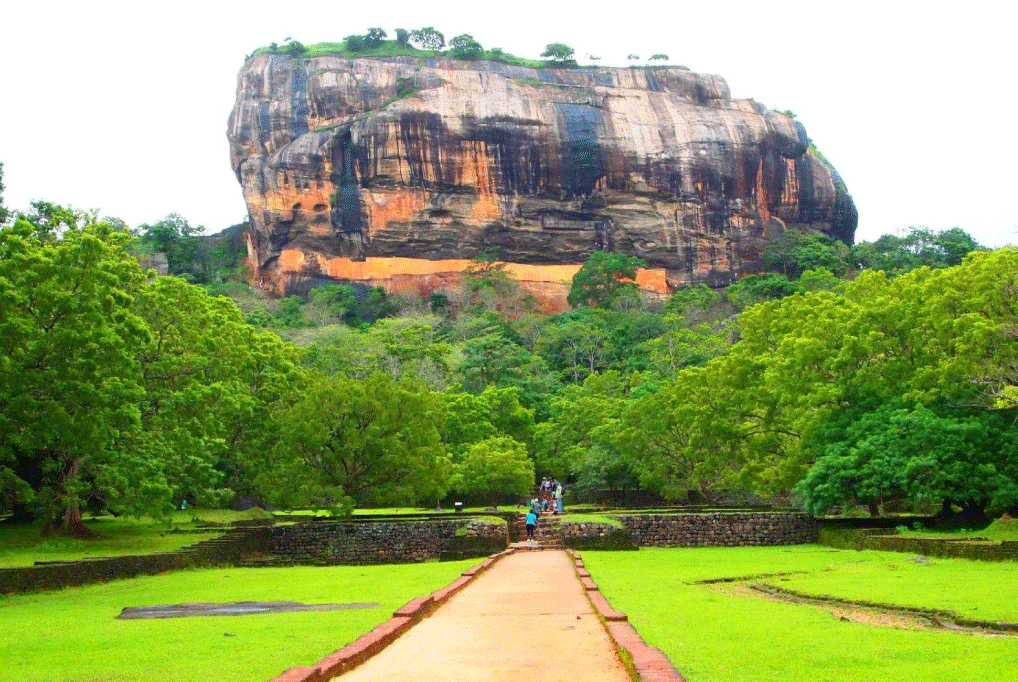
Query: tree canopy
(604, 279)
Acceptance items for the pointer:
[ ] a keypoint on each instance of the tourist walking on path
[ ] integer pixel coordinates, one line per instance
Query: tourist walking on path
(531, 525)
(535, 506)
(558, 497)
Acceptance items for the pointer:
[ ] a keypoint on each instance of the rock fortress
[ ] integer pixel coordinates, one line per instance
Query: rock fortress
(397, 171)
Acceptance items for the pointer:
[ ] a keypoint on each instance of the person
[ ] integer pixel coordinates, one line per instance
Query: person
(535, 506)
(531, 525)
(558, 497)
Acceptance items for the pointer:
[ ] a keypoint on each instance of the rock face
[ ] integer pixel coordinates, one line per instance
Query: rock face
(397, 171)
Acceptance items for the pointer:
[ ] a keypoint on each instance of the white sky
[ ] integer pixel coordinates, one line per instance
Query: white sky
(122, 106)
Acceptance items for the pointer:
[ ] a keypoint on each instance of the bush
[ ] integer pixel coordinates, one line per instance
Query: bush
(355, 43)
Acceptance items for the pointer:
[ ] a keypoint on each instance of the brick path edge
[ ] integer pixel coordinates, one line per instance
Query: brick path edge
(644, 662)
(371, 643)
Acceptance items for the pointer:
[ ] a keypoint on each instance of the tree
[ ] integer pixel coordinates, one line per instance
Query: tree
(796, 252)
(374, 37)
(633, 57)
(660, 56)
(465, 47)
(347, 442)
(408, 348)
(402, 36)
(917, 247)
(187, 252)
(494, 412)
(495, 468)
(333, 303)
(4, 213)
(603, 279)
(211, 383)
(70, 380)
(908, 450)
(558, 53)
(488, 282)
(579, 436)
(428, 38)
(754, 289)
(685, 436)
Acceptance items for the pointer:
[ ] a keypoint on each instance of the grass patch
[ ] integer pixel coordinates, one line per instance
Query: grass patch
(537, 83)
(586, 518)
(709, 635)
(73, 635)
(1003, 529)
(23, 545)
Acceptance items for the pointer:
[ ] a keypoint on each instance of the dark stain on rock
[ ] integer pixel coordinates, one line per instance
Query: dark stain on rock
(347, 213)
(582, 165)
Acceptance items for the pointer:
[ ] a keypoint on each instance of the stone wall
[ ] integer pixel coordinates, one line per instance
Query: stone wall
(586, 535)
(724, 530)
(227, 549)
(387, 542)
(889, 541)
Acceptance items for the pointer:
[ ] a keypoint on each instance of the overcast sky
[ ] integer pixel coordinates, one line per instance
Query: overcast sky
(122, 106)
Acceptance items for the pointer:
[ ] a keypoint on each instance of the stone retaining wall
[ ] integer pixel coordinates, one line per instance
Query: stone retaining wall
(724, 530)
(387, 542)
(889, 542)
(227, 549)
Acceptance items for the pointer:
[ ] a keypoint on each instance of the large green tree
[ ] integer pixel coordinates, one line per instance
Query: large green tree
(900, 450)
(495, 468)
(604, 279)
(347, 442)
(70, 378)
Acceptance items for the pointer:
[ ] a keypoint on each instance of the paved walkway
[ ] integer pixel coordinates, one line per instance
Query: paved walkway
(525, 618)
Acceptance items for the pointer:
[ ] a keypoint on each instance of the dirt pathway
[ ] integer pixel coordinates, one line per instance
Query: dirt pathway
(526, 618)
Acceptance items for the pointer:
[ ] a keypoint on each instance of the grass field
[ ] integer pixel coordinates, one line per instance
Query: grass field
(74, 636)
(24, 545)
(710, 635)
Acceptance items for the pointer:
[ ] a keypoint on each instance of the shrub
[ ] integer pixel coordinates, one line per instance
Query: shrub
(354, 43)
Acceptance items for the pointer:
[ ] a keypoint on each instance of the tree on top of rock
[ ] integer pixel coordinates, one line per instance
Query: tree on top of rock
(428, 38)
(603, 279)
(465, 47)
(559, 53)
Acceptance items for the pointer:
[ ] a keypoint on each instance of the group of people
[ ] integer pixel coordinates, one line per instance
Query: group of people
(549, 496)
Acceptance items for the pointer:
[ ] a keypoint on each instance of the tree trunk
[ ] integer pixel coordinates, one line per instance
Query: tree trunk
(874, 506)
(973, 514)
(71, 523)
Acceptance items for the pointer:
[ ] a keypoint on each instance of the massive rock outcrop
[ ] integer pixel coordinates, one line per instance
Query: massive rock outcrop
(397, 171)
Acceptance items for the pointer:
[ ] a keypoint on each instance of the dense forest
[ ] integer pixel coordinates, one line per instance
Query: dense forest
(882, 376)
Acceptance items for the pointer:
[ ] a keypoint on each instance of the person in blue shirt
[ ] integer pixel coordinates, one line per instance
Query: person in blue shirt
(531, 524)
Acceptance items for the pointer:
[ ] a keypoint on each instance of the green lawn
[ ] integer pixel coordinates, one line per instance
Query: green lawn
(24, 545)
(73, 635)
(711, 636)
(1004, 528)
